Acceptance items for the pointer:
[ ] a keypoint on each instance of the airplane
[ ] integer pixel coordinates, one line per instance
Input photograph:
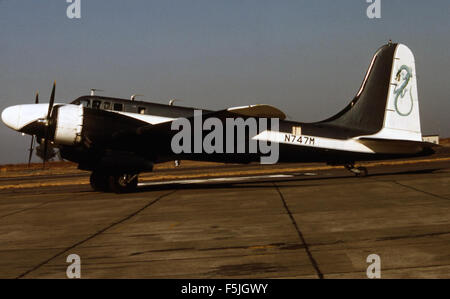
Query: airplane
(117, 139)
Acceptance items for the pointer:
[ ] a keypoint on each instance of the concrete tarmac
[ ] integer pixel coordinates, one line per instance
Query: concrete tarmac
(282, 224)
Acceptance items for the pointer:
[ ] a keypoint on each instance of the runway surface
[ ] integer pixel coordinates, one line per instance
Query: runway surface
(232, 222)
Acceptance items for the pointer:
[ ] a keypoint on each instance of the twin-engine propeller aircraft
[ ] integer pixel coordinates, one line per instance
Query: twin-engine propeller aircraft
(117, 139)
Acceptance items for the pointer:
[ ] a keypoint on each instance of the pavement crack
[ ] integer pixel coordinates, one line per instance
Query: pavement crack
(36, 206)
(97, 233)
(413, 236)
(31, 208)
(421, 191)
(302, 238)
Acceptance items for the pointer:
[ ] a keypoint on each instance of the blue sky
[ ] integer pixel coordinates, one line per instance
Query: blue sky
(306, 57)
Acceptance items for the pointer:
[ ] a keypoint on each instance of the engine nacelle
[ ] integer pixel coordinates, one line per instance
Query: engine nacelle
(68, 126)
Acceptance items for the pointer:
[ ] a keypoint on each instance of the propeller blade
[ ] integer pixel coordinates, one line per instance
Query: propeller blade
(52, 101)
(49, 114)
(30, 150)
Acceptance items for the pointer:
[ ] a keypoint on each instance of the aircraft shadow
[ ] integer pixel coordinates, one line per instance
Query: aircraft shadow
(270, 182)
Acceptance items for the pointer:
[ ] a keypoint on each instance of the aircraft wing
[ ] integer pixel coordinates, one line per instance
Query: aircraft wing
(259, 110)
(159, 135)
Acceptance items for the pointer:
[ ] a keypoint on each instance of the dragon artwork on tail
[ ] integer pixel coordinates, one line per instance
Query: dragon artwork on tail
(404, 74)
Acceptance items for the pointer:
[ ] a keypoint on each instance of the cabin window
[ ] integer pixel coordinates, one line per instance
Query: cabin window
(85, 103)
(106, 105)
(141, 110)
(118, 107)
(96, 104)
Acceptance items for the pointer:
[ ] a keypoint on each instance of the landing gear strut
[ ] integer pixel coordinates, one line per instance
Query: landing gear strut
(358, 171)
(118, 183)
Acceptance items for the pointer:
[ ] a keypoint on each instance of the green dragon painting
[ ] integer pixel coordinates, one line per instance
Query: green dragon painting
(404, 74)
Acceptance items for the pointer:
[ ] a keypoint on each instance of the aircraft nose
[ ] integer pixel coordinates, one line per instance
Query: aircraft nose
(11, 117)
(20, 116)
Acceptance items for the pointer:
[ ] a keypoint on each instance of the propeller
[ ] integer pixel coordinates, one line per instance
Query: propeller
(36, 101)
(47, 122)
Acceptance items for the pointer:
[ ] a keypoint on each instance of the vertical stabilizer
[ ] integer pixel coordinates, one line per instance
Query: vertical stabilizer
(402, 119)
(386, 106)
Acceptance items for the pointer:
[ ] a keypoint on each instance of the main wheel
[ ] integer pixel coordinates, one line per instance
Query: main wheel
(123, 183)
(99, 181)
(362, 171)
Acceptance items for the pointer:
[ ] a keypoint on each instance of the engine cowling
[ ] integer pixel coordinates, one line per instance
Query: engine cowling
(68, 125)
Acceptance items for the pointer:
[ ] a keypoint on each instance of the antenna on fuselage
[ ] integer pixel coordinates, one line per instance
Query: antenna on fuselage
(173, 101)
(133, 97)
(93, 90)
(177, 162)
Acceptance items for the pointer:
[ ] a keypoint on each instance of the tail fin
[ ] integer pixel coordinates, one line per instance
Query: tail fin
(402, 119)
(386, 106)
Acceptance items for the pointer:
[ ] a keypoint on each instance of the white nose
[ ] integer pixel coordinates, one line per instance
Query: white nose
(17, 117)
(11, 117)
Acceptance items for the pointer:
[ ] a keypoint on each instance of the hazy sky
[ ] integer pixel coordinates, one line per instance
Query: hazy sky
(306, 57)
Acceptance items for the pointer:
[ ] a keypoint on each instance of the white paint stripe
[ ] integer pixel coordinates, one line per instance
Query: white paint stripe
(367, 75)
(148, 118)
(215, 180)
(351, 145)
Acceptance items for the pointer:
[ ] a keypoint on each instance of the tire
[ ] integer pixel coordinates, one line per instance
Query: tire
(99, 181)
(363, 171)
(118, 183)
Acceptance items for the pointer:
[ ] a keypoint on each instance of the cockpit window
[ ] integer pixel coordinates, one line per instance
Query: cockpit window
(118, 107)
(106, 105)
(141, 110)
(96, 104)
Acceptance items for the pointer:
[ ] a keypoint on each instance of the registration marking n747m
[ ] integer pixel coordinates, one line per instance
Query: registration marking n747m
(305, 140)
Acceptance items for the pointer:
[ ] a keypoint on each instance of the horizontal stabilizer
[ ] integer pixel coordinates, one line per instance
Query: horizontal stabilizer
(381, 145)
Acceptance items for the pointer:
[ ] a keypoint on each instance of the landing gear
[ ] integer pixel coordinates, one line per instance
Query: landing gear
(99, 181)
(123, 183)
(358, 171)
(118, 183)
